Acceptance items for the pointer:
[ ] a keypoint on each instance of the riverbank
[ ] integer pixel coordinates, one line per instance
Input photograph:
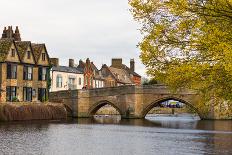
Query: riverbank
(32, 111)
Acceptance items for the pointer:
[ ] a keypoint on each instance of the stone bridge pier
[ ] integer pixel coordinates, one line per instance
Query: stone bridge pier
(130, 101)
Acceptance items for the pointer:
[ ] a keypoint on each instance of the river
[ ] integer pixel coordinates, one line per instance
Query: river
(155, 135)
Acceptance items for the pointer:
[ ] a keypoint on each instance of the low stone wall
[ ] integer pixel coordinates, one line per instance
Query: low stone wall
(32, 111)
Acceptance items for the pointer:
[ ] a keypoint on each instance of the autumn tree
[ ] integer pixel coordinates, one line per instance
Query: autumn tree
(188, 44)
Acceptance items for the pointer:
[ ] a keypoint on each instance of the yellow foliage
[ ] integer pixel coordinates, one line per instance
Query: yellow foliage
(188, 44)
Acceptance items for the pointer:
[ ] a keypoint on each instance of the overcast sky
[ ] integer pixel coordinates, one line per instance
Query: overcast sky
(98, 29)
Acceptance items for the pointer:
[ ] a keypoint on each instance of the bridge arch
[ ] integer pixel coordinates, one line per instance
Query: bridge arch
(157, 102)
(95, 107)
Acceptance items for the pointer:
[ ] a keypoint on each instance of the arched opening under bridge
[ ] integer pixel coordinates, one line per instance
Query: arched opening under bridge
(173, 108)
(105, 112)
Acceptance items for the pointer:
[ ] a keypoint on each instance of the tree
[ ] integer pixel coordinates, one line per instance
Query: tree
(149, 81)
(188, 44)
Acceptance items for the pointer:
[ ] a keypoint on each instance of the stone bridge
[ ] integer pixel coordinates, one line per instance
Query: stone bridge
(130, 101)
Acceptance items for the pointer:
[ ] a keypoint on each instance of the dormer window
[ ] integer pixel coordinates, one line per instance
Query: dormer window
(28, 55)
(12, 52)
(43, 56)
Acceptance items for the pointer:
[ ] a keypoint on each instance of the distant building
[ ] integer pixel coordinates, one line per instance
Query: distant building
(119, 74)
(23, 68)
(65, 77)
(92, 76)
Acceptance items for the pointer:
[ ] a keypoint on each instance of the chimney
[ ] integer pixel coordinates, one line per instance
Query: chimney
(17, 34)
(117, 63)
(87, 61)
(4, 33)
(9, 32)
(54, 62)
(71, 62)
(132, 65)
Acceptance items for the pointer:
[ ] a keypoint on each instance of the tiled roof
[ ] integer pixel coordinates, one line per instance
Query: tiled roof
(131, 72)
(5, 45)
(37, 49)
(121, 75)
(67, 69)
(94, 67)
(22, 47)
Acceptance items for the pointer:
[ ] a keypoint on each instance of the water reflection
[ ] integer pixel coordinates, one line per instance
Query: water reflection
(113, 135)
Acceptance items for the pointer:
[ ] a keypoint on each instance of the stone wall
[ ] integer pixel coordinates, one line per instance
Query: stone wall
(19, 82)
(130, 101)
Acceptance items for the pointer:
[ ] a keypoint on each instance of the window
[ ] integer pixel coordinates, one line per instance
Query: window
(27, 93)
(42, 94)
(27, 73)
(11, 71)
(71, 80)
(28, 55)
(43, 56)
(11, 93)
(79, 81)
(59, 81)
(42, 73)
(71, 83)
(12, 52)
(34, 92)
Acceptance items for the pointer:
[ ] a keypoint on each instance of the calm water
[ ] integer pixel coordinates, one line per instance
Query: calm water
(111, 136)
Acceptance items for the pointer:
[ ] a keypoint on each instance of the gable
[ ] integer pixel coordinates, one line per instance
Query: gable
(5, 45)
(43, 58)
(12, 55)
(28, 56)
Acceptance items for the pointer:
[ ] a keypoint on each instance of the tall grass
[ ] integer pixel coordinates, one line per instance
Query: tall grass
(31, 111)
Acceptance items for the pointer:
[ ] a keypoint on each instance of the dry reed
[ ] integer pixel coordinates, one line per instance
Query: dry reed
(32, 111)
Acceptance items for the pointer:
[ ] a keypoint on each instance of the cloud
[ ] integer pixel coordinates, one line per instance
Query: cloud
(98, 29)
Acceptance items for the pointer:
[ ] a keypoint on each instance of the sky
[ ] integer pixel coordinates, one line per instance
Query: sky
(77, 29)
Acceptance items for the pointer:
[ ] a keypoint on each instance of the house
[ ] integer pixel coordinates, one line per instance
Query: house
(92, 76)
(23, 68)
(119, 74)
(65, 77)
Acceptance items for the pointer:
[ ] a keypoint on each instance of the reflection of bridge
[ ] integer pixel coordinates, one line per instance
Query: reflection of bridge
(130, 101)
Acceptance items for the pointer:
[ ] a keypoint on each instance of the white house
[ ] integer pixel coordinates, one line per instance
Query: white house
(66, 77)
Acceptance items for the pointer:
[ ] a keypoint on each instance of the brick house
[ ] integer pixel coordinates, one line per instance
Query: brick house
(119, 74)
(92, 76)
(23, 68)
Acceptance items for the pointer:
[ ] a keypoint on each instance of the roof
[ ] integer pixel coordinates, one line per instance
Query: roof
(121, 75)
(22, 47)
(67, 69)
(37, 49)
(94, 67)
(5, 45)
(130, 71)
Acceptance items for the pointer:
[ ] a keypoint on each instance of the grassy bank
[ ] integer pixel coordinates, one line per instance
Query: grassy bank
(31, 111)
